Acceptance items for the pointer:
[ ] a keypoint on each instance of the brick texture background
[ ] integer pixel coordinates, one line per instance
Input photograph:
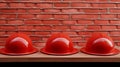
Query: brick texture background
(78, 18)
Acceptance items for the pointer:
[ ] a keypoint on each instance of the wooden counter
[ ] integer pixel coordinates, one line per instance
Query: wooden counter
(78, 57)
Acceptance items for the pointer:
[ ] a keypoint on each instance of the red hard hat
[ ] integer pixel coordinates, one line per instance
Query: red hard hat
(59, 44)
(18, 44)
(100, 44)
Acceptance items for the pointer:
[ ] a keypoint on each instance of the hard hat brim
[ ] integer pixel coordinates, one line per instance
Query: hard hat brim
(43, 50)
(113, 52)
(3, 51)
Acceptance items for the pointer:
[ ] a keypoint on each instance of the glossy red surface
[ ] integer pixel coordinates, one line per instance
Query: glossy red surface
(18, 44)
(100, 44)
(59, 44)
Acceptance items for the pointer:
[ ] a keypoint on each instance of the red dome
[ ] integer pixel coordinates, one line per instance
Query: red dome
(100, 44)
(59, 44)
(18, 44)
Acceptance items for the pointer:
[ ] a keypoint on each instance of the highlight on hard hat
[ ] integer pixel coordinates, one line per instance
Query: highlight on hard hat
(18, 44)
(100, 44)
(59, 44)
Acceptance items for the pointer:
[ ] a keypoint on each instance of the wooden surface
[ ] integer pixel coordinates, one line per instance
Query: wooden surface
(78, 57)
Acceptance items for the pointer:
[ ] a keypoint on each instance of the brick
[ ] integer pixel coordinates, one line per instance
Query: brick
(32, 0)
(34, 38)
(44, 5)
(85, 16)
(44, 39)
(8, 11)
(52, 22)
(105, 32)
(33, 22)
(3, 4)
(77, 27)
(21, 11)
(115, 0)
(114, 11)
(97, 0)
(101, 22)
(103, 5)
(9, 32)
(118, 5)
(69, 22)
(2, 33)
(44, 16)
(17, 5)
(84, 22)
(30, 5)
(91, 10)
(115, 38)
(118, 27)
(61, 16)
(95, 11)
(103, 10)
(25, 28)
(51, 10)
(108, 16)
(81, 11)
(18, 22)
(94, 27)
(10, 0)
(70, 33)
(57, 28)
(76, 39)
(7, 16)
(114, 22)
(80, 5)
(114, 33)
(54, 32)
(86, 38)
(53, 0)
(43, 27)
(61, 5)
(7, 28)
(73, 0)
(26, 16)
(85, 33)
(2, 21)
(109, 27)
(42, 33)
(34, 11)
(26, 32)
(36, 44)
(118, 16)
(70, 11)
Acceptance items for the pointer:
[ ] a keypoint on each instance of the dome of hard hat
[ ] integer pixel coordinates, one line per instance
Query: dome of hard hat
(18, 44)
(100, 44)
(59, 44)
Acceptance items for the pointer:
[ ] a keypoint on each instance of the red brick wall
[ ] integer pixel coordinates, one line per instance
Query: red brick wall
(78, 18)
